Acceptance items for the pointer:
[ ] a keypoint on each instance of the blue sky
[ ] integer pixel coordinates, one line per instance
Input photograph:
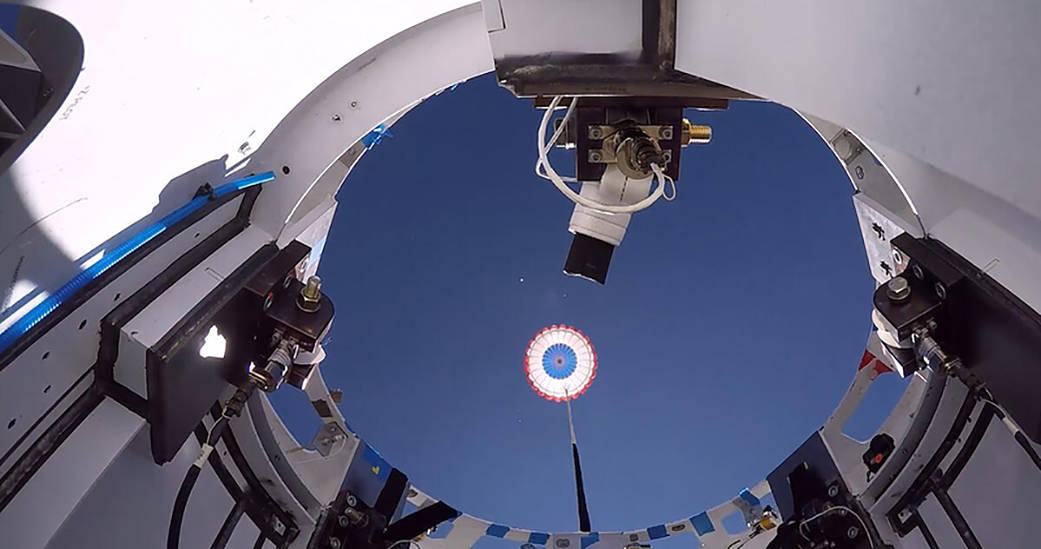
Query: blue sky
(732, 320)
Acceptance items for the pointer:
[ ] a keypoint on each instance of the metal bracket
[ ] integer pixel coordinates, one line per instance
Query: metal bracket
(328, 435)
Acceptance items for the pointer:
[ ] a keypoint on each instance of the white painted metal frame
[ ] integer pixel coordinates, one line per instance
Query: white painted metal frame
(875, 78)
(946, 86)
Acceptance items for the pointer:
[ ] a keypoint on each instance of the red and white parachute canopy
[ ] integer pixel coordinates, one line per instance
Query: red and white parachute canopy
(560, 363)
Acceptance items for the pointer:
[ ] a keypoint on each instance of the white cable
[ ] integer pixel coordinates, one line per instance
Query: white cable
(203, 455)
(553, 176)
(553, 140)
(832, 509)
(1011, 425)
(664, 179)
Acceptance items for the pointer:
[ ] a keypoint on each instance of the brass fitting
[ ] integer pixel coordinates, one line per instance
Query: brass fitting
(695, 133)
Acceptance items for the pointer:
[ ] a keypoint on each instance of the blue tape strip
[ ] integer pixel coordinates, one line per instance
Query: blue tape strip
(375, 136)
(117, 254)
(748, 497)
(655, 532)
(538, 538)
(497, 530)
(586, 541)
(702, 524)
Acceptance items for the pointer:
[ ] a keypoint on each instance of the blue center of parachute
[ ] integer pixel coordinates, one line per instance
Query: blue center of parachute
(559, 361)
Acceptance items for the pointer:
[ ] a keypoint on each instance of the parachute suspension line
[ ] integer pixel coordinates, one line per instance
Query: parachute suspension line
(560, 364)
(570, 422)
(580, 491)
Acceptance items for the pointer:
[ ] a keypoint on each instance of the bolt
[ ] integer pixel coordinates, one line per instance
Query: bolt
(342, 519)
(356, 517)
(941, 292)
(833, 490)
(852, 532)
(595, 132)
(310, 295)
(334, 543)
(860, 172)
(666, 133)
(917, 270)
(897, 289)
(351, 500)
(594, 156)
(898, 257)
(694, 133)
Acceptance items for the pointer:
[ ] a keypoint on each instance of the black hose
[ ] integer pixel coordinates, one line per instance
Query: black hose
(228, 527)
(173, 536)
(1017, 434)
(1025, 443)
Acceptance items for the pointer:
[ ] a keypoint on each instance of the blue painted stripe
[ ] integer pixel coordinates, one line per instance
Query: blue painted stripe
(586, 541)
(538, 538)
(748, 497)
(702, 524)
(655, 532)
(53, 301)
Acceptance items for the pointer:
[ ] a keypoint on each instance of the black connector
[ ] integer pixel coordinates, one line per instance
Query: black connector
(588, 258)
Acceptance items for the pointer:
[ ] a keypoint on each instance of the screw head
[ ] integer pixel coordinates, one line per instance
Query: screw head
(351, 500)
(941, 292)
(898, 257)
(354, 104)
(666, 133)
(833, 491)
(595, 132)
(594, 156)
(336, 118)
(334, 543)
(860, 172)
(917, 270)
(268, 301)
(343, 521)
(852, 532)
(898, 289)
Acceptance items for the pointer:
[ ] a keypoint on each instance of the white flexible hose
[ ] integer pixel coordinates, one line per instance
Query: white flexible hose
(558, 181)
